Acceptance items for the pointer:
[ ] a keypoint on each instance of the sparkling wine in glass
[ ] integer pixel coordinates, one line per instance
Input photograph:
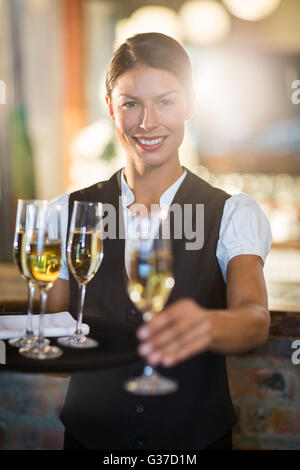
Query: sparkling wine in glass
(150, 283)
(43, 258)
(29, 338)
(84, 254)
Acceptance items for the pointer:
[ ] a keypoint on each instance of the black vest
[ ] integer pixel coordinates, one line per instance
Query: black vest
(97, 412)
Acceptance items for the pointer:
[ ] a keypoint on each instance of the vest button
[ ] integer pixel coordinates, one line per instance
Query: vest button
(139, 408)
(134, 311)
(140, 441)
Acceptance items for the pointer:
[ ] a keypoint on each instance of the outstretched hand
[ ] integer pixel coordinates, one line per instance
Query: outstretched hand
(182, 330)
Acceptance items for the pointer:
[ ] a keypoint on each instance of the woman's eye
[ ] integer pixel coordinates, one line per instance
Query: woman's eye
(166, 102)
(129, 104)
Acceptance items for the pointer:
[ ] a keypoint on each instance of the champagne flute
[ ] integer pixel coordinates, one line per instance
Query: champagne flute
(29, 338)
(43, 258)
(150, 283)
(85, 254)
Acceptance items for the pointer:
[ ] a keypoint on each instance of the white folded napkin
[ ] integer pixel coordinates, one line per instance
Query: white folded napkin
(56, 324)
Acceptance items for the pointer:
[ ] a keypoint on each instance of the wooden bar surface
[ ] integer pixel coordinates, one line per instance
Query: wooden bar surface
(285, 320)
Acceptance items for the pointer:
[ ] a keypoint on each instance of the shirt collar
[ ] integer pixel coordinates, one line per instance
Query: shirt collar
(165, 199)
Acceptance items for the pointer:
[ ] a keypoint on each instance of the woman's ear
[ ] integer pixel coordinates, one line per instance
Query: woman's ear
(109, 107)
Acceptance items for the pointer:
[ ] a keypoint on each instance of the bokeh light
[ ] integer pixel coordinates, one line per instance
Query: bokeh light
(251, 10)
(149, 19)
(205, 22)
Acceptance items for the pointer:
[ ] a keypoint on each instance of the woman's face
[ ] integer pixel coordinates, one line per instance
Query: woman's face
(149, 107)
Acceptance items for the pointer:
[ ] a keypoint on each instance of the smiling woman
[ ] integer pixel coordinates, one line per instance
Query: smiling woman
(218, 305)
(149, 107)
(150, 95)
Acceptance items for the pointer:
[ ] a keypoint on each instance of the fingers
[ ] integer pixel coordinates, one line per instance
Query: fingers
(191, 342)
(187, 350)
(164, 320)
(170, 331)
(178, 334)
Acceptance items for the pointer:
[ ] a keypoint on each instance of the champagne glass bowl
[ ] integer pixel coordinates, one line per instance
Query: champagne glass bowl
(42, 254)
(85, 254)
(149, 285)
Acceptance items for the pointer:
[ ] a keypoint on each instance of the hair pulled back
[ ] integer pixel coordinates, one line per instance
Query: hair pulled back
(154, 50)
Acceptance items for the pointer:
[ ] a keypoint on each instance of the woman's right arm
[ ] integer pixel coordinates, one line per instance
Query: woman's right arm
(58, 297)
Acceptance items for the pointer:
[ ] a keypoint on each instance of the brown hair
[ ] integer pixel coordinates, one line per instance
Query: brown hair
(153, 50)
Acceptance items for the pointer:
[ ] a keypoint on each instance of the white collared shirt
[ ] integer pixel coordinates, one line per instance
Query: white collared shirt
(244, 227)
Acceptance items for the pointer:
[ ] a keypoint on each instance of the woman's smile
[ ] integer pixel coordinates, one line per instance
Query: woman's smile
(150, 144)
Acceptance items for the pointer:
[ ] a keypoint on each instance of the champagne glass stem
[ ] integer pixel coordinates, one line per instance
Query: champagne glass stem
(78, 339)
(42, 315)
(78, 330)
(148, 370)
(151, 373)
(29, 330)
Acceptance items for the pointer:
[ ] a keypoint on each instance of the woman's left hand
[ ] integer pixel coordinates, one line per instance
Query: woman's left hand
(185, 329)
(181, 331)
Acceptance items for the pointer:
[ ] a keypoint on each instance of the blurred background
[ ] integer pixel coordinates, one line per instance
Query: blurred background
(56, 136)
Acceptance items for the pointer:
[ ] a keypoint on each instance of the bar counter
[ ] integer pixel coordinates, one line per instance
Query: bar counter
(264, 383)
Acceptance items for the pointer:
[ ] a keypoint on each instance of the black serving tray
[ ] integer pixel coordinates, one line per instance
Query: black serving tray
(117, 346)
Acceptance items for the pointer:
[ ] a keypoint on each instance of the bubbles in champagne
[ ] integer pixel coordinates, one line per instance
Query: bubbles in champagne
(44, 261)
(151, 280)
(85, 254)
